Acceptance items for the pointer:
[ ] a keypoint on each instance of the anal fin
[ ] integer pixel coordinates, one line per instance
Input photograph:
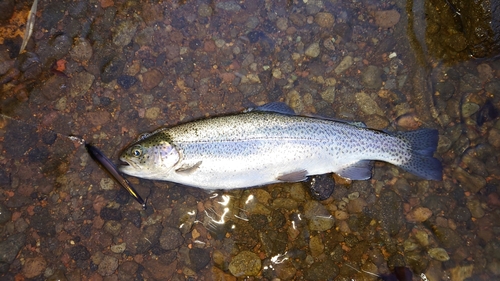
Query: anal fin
(296, 176)
(361, 170)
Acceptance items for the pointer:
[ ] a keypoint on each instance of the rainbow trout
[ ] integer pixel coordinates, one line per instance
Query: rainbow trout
(271, 144)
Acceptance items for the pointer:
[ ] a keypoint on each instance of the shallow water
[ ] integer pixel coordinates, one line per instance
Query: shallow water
(108, 71)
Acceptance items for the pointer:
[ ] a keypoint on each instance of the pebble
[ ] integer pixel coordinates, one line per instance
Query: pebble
(5, 214)
(82, 50)
(107, 266)
(472, 183)
(422, 237)
(388, 211)
(204, 10)
(494, 137)
(79, 252)
(328, 94)
(126, 81)
(6, 9)
(325, 20)
(230, 6)
(316, 246)
(356, 205)
(199, 258)
(461, 273)
(313, 50)
(33, 267)
(107, 184)
(282, 24)
(367, 104)
(448, 237)
(326, 270)
(119, 248)
(171, 238)
(344, 65)
(475, 208)
(371, 77)
(10, 247)
(152, 113)
(110, 214)
(439, 254)
(112, 68)
(151, 79)
(318, 216)
(124, 33)
(386, 19)
(469, 108)
(80, 83)
(246, 263)
(419, 214)
(112, 227)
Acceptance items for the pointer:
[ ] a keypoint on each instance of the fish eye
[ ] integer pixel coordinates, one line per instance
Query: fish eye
(136, 151)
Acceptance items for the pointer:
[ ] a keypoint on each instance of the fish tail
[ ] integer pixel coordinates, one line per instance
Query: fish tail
(423, 144)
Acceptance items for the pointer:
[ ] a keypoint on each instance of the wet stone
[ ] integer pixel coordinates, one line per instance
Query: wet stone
(124, 33)
(204, 10)
(127, 270)
(107, 266)
(325, 20)
(449, 238)
(230, 6)
(58, 275)
(118, 248)
(246, 263)
(126, 81)
(368, 105)
(389, 209)
(9, 249)
(34, 266)
(344, 65)
(6, 9)
(475, 208)
(79, 252)
(371, 77)
(386, 19)
(439, 254)
(112, 68)
(472, 183)
(110, 214)
(326, 270)
(460, 214)
(199, 258)
(318, 216)
(5, 214)
(313, 50)
(112, 227)
(171, 238)
(80, 83)
(258, 221)
(82, 50)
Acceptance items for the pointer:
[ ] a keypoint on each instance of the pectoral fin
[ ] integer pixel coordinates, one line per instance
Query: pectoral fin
(361, 170)
(187, 169)
(296, 176)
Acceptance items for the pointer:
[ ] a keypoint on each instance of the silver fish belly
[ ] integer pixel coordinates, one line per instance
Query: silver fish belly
(264, 147)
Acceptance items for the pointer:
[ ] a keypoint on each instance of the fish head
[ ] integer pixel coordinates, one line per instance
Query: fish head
(149, 158)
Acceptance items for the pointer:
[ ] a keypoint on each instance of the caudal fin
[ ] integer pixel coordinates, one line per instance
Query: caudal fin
(423, 143)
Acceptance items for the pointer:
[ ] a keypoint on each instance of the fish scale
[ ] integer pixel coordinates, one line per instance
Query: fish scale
(263, 147)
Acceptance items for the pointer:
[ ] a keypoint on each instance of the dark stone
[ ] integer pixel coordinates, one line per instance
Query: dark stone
(105, 101)
(134, 217)
(255, 35)
(49, 138)
(5, 214)
(389, 208)
(278, 219)
(111, 214)
(199, 258)
(19, 138)
(43, 223)
(6, 9)
(195, 44)
(112, 68)
(460, 214)
(79, 252)
(78, 9)
(445, 89)
(269, 27)
(326, 270)
(126, 81)
(321, 186)
(52, 13)
(38, 154)
(184, 66)
(179, 22)
(258, 221)
(9, 249)
(171, 238)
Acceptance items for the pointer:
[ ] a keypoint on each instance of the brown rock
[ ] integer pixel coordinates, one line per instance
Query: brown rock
(387, 19)
(325, 20)
(98, 118)
(159, 270)
(34, 267)
(151, 79)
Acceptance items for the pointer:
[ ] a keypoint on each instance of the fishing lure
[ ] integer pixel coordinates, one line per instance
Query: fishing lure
(100, 158)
